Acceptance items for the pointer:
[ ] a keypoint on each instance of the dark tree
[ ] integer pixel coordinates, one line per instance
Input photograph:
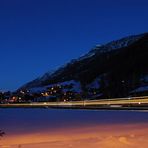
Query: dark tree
(2, 133)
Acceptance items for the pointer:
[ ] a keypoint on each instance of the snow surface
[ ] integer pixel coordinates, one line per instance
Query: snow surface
(141, 89)
(145, 78)
(88, 55)
(57, 128)
(124, 42)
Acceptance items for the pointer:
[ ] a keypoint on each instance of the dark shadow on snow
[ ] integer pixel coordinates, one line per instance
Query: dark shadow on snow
(2, 133)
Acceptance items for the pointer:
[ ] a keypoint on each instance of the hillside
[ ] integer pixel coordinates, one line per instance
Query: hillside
(116, 69)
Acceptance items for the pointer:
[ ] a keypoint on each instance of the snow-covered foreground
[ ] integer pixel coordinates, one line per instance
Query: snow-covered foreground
(45, 128)
(118, 136)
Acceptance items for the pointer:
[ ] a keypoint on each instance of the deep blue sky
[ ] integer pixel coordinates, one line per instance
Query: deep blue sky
(39, 35)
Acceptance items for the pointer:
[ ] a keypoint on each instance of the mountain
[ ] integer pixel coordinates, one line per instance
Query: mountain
(116, 69)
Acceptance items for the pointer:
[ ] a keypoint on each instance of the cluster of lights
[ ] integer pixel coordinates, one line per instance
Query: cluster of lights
(56, 91)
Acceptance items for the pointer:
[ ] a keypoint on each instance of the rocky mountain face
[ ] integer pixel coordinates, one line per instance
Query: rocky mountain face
(116, 69)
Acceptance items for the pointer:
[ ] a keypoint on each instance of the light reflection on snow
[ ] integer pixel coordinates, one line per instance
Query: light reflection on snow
(130, 134)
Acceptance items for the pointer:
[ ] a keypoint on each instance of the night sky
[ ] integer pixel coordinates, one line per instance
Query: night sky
(37, 36)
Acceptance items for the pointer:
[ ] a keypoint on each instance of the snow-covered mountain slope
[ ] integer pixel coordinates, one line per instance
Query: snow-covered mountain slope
(121, 43)
(114, 63)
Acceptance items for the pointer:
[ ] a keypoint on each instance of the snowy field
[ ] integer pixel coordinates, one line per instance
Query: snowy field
(51, 128)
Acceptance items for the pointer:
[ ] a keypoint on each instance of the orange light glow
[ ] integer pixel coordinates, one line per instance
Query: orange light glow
(104, 136)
